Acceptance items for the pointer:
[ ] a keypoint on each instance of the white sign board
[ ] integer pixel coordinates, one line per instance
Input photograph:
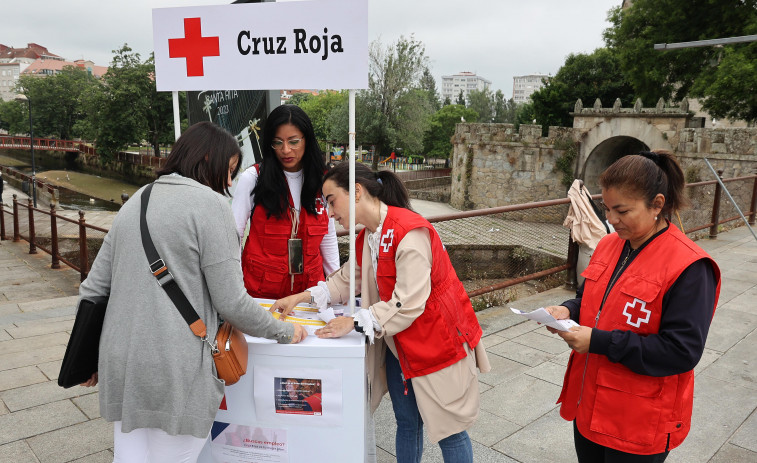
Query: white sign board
(317, 44)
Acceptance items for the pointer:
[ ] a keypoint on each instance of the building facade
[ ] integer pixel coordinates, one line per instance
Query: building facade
(524, 86)
(9, 73)
(465, 82)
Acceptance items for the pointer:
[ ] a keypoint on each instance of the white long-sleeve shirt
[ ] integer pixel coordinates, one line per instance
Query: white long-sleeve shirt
(243, 202)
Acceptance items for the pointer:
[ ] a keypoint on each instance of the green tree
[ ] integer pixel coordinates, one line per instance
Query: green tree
(125, 107)
(499, 107)
(428, 83)
(12, 117)
(299, 98)
(482, 101)
(684, 72)
(395, 113)
(525, 114)
(730, 91)
(585, 77)
(56, 100)
(319, 108)
(437, 142)
(460, 98)
(446, 101)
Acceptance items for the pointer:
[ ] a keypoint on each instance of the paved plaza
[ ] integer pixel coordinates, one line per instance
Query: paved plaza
(519, 421)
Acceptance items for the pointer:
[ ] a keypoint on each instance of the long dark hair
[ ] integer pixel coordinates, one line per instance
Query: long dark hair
(271, 190)
(647, 174)
(203, 153)
(383, 185)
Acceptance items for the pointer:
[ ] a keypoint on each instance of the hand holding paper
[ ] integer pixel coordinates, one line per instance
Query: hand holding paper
(542, 316)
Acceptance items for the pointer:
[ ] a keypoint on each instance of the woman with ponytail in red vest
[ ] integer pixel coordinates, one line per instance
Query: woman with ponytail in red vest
(645, 309)
(424, 336)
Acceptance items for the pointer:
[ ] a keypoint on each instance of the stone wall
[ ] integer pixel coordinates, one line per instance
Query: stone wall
(495, 165)
(733, 150)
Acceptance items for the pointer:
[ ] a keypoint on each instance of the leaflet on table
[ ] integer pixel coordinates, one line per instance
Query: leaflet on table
(236, 443)
(545, 318)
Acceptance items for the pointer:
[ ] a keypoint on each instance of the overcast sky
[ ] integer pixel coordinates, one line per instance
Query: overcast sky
(496, 39)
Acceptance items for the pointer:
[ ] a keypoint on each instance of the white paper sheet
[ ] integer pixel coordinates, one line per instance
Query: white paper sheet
(545, 318)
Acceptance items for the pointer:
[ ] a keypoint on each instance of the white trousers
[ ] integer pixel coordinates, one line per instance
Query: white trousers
(152, 445)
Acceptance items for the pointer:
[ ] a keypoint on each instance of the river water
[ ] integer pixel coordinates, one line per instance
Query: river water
(20, 160)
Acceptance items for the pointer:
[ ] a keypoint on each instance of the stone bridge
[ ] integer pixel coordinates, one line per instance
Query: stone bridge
(495, 165)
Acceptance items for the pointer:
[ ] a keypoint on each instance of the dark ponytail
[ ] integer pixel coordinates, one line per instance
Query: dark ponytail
(647, 174)
(384, 185)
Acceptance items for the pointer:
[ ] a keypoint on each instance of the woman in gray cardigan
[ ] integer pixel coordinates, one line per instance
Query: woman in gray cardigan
(158, 382)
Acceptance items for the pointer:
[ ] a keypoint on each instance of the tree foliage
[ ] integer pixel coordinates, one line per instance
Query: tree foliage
(395, 108)
(482, 102)
(437, 142)
(677, 73)
(585, 77)
(730, 91)
(428, 84)
(126, 108)
(56, 101)
(12, 118)
(460, 98)
(320, 107)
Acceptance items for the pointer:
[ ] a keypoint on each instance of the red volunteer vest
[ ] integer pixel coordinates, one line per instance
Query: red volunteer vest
(265, 258)
(612, 405)
(435, 339)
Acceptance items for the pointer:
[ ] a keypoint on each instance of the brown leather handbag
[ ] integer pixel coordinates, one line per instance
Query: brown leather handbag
(230, 354)
(229, 348)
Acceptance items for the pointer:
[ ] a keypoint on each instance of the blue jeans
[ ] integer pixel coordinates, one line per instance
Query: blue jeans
(456, 448)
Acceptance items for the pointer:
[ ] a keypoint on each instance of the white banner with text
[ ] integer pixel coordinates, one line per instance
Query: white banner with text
(316, 44)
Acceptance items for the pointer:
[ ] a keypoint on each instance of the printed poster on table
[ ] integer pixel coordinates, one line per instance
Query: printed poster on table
(302, 396)
(236, 443)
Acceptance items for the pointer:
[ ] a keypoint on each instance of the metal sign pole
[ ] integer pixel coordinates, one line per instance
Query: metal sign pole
(352, 198)
(717, 177)
(176, 116)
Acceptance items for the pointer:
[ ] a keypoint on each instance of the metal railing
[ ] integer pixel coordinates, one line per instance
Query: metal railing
(527, 242)
(509, 244)
(9, 142)
(68, 240)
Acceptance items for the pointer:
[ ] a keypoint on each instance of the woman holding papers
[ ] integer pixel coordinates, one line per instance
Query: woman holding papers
(644, 310)
(292, 243)
(158, 382)
(423, 332)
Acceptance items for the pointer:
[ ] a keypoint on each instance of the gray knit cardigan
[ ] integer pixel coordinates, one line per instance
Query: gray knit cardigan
(153, 372)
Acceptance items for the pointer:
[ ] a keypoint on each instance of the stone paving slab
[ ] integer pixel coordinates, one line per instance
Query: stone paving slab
(39, 420)
(731, 453)
(73, 442)
(720, 408)
(26, 358)
(20, 377)
(39, 394)
(519, 420)
(106, 456)
(18, 451)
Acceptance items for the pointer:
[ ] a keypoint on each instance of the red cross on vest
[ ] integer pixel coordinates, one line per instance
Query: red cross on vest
(194, 47)
(636, 312)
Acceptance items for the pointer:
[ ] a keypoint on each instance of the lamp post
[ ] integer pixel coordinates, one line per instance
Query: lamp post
(22, 97)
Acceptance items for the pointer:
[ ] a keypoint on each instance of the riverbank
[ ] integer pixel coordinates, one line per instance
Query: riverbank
(107, 189)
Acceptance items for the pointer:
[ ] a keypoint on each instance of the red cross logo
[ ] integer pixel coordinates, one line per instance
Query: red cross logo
(640, 310)
(319, 206)
(194, 47)
(386, 239)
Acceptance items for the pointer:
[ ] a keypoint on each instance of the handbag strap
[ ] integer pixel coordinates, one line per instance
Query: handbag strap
(159, 269)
